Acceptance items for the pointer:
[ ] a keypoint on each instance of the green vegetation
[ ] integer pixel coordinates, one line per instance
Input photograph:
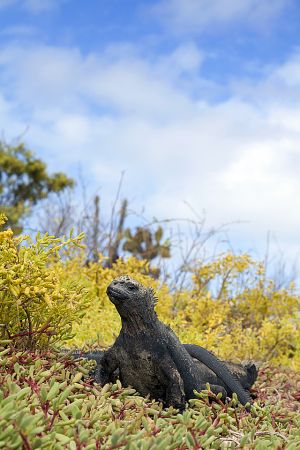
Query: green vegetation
(47, 403)
(24, 181)
(37, 307)
(50, 296)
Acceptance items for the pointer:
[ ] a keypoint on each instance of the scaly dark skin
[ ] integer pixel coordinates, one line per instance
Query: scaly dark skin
(150, 358)
(245, 373)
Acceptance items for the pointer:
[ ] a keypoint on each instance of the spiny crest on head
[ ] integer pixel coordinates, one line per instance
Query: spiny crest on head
(124, 278)
(150, 293)
(152, 297)
(128, 279)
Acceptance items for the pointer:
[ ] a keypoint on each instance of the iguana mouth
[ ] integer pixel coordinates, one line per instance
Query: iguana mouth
(113, 292)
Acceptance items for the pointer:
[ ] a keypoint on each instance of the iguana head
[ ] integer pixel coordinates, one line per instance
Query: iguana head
(131, 298)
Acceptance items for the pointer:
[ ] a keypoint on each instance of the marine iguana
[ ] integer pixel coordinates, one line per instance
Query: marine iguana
(246, 374)
(151, 359)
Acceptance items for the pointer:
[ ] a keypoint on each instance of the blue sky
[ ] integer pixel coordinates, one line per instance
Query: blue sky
(196, 100)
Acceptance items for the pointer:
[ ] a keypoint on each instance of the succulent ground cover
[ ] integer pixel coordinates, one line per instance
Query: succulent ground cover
(48, 401)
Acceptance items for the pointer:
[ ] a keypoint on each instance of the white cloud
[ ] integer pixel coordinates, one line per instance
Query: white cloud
(199, 15)
(127, 85)
(186, 58)
(289, 72)
(238, 159)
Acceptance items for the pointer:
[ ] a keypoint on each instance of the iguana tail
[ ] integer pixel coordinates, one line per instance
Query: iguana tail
(217, 366)
(97, 355)
(252, 373)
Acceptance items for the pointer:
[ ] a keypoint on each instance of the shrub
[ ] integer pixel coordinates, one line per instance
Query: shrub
(37, 304)
(231, 309)
(50, 295)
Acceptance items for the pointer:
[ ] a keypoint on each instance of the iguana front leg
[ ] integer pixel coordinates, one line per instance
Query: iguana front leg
(106, 367)
(175, 395)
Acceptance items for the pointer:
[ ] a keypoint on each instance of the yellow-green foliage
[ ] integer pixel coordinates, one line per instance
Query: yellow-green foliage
(231, 307)
(37, 303)
(243, 316)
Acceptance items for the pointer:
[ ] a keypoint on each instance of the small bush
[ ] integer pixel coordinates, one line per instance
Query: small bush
(232, 309)
(37, 305)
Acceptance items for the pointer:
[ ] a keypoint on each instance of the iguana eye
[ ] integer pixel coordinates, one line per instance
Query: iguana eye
(131, 286)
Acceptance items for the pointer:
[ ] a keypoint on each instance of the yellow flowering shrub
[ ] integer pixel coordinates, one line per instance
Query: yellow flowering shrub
(48, 296)
(231, 309)
(37, 304)
(236, 312)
